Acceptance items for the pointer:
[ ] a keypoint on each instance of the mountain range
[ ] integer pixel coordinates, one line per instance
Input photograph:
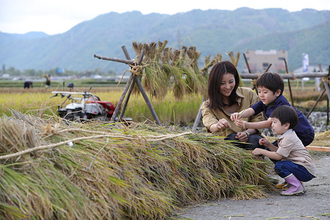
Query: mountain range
(211, 31)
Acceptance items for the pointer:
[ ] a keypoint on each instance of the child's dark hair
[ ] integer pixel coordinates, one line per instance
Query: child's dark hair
(286, 113)
(271, 81)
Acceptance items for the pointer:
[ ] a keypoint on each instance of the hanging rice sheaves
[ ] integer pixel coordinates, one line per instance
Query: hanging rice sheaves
(164, 68)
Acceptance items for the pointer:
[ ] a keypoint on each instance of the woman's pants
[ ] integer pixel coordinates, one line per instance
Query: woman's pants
(252, 143)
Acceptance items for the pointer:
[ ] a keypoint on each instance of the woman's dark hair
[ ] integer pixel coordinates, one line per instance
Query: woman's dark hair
(286, 113)
(214, 83)
(271, 81)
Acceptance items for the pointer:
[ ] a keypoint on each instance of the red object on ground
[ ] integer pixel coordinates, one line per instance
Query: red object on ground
(108, 106)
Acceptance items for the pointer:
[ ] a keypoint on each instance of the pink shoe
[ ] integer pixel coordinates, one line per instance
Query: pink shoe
(296, 186)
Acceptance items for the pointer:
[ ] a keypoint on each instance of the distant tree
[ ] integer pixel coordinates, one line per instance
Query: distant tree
(98, 71)
(111, 73)
(30, 72)
(14, 72)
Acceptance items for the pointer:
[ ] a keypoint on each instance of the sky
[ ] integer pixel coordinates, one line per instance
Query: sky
(59, 16)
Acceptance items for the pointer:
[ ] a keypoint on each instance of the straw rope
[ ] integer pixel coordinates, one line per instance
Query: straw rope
(254, 81)
(136, 70)
(325, 79)
(153, 138)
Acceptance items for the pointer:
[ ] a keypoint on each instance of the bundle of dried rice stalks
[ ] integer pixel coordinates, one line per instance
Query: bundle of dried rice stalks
(175, 70)
(97, 171)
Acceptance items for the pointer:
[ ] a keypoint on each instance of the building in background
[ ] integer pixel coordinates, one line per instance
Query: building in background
(259, 60)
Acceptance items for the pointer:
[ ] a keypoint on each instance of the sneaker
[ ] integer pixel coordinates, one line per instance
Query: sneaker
(283, 185)
(304, 189)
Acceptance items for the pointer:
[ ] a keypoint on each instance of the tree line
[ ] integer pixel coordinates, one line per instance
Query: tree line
(12, 71)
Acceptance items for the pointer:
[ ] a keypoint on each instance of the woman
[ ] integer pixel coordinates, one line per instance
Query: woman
(225, 98)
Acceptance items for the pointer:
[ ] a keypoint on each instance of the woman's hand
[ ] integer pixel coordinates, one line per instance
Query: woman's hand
(242, 136)
(220, 126)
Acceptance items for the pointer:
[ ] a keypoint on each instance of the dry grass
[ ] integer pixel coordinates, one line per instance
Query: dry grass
(116, 172)
(169, 110)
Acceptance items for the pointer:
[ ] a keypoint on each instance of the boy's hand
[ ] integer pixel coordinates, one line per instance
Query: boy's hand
(235, 116)
(264, 141)
(257, 151)
(240, 123)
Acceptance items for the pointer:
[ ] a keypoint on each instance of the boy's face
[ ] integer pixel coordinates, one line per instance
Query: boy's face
(278, 127)
(267, 96)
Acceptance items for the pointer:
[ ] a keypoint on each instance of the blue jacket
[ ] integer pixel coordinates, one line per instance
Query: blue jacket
(304, 129)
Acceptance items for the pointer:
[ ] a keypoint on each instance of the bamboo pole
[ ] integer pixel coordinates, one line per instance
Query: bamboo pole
(113, 117)
(318, 99)
(246, 62)
(268, 67)
(248, 66)
(326, 85)
(327, 111)
(146, 99)
(287, 72)
(288, 76)
(114, 59)
(144, 94)
(131, 86)
(198, 117)
(328, 98)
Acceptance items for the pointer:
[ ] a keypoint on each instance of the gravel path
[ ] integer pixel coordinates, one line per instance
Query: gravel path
(314, 204)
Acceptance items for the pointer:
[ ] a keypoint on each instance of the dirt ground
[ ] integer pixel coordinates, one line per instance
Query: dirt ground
(314, 204)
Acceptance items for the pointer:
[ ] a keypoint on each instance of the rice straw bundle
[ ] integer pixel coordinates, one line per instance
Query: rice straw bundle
(115, 172)
(177, 70)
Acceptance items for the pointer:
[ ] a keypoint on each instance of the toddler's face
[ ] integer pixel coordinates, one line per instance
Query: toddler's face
(267, 96)
(278, 127)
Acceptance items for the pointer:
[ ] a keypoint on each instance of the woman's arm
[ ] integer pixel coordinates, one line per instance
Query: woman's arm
(251, 131)
(220, 126)
(244, 135)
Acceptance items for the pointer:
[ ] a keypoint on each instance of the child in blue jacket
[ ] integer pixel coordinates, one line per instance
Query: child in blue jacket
(270, 88)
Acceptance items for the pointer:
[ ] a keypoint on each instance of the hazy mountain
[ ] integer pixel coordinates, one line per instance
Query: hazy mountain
(211, 31)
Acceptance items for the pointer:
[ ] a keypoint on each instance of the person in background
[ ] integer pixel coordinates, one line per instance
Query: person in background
(47, 81)
(224, 98)
(293, 162)
(28, 84)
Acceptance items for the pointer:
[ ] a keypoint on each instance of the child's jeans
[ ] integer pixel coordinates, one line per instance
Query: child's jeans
(285, 168)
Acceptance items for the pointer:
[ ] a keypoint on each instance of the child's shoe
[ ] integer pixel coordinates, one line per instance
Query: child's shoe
(283, 185)
(296, 186)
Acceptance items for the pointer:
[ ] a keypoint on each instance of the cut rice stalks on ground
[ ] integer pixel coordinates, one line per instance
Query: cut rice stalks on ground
(102, 171)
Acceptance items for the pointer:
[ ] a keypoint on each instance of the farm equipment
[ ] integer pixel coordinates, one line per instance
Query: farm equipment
(84, 106)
